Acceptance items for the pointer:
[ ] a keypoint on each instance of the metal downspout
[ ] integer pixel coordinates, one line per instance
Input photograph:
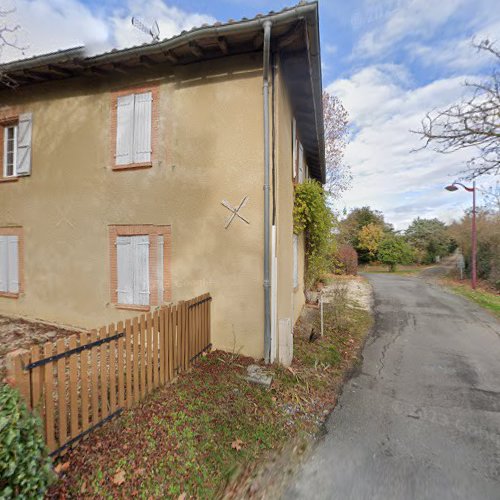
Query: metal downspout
(267, 281)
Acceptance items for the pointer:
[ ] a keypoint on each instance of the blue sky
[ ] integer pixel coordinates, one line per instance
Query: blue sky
(389, 61)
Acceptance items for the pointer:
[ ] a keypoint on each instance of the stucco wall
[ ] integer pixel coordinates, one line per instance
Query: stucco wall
(290, 299)
(210, 148)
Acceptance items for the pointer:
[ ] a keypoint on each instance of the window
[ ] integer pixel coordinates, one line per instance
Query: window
(294, 149)
(133, 129)
(295, 261)
(140, 265)
(132, 255)
(301, 163)
(16, 145)
(9, 264)
(9, 150)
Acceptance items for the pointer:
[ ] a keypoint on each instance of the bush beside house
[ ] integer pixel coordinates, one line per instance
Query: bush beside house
(25, 469)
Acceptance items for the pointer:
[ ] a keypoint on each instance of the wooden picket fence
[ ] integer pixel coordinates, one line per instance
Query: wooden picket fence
(80, 382)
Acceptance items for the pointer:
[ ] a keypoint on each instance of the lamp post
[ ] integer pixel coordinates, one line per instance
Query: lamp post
(454, 187)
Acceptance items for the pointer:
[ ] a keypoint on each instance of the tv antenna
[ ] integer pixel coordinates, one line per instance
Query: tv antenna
(153, 32)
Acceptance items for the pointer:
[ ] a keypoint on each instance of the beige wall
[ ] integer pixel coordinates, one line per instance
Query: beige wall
(290, 300)
(210, 148)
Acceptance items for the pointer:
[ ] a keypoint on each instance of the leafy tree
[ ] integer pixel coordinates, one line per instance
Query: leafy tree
(336, 119)
(369, 238)
(488, 243)
(356, 220)
(394, 250)
(473, 123)
(430, 237)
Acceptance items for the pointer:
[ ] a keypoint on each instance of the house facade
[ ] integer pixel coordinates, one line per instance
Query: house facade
(135, 178)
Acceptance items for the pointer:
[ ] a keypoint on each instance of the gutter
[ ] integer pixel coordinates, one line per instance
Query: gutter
(267, 189)
(239, 27)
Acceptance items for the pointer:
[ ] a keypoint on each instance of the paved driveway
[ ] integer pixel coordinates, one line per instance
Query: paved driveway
(422, 420)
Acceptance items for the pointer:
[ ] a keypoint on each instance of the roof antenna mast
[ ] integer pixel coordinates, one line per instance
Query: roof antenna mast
(153, 32)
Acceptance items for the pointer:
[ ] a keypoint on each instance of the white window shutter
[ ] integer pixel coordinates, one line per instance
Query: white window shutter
(24, 132)
(124, 129)
(142, 128)
(301, 163)
(295, 261)
(4, 269)
(141, 270)
(124, 270)
(161, 290)
(294, 148)
(13, 263)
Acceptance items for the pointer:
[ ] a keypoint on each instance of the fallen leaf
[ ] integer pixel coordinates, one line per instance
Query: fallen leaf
(237, 444)
(140, 471)
(119, 477)
(291, 370)
(61, 467)
(83, 487)
(182, 496)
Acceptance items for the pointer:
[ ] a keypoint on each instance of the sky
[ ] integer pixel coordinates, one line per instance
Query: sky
(389, 61)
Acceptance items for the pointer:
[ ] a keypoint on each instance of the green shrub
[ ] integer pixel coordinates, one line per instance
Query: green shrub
(25, 469)
(312, 215)
(394, 250)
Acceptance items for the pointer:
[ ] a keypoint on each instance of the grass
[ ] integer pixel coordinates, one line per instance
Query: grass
(485, 298)
(401, 270)
(206, 431)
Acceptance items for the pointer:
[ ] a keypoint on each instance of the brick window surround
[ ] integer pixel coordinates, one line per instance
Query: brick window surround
(155, 123)
(16, 231)
(153, 232)
(8, 116)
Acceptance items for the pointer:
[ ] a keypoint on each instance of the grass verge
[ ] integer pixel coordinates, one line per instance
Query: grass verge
(490, 300)
(208, 430)
(409, 270)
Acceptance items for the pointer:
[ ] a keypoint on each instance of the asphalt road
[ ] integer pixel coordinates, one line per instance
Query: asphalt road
(422, 419)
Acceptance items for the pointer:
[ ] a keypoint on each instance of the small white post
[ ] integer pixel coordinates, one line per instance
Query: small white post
(321, 310)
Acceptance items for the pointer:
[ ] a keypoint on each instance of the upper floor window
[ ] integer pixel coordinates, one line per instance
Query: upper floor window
(134, 113)
(9, 150)
(15, 145)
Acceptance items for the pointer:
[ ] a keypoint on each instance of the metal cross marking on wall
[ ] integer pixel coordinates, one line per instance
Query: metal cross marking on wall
(235, 211)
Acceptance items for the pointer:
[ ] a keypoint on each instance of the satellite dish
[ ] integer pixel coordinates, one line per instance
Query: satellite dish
(153, 32)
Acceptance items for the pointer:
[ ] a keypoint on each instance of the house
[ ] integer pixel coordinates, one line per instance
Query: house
(155, 173)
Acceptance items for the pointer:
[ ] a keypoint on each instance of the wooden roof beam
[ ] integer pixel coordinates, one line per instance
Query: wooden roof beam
(36, 75)
(147, 61)
(171, 57)
(223, 46)
(61, 70)
(195, 49)
(258, 41)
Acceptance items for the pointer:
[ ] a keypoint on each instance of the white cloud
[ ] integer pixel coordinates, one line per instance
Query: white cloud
(457, 53)
(171, 21)
(413, 18)
(387, 175)
(50, 25)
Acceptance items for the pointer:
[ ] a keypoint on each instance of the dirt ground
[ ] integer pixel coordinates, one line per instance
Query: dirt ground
(22, 334)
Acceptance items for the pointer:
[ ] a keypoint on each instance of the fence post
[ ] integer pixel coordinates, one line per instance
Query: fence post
(17, 376)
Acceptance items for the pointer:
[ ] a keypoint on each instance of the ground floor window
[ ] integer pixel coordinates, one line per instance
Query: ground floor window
(140, 265)
(10, 261)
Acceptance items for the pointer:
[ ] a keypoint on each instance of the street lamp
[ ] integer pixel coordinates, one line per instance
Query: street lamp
(454, 187)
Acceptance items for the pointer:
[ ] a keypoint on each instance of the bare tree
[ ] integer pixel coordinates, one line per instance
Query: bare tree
(473, 123)
(338, 174)
(8, 38)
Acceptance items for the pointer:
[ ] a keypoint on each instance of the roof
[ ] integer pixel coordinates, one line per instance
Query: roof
(294, 34)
